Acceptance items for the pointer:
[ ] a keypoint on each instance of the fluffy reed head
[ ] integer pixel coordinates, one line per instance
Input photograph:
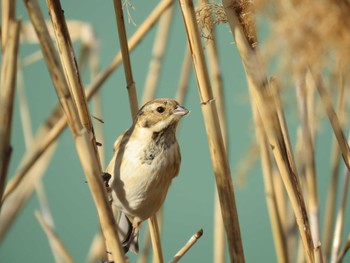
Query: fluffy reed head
(211, 14)
(307, 33)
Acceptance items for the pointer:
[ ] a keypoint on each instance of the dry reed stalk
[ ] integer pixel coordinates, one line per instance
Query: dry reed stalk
(152, 222)
(344, 250)
(155, 238)
(333, 119)
(335, 166)
(8, 80)
(79, 31)
(187, 246)
(184, 77)
(8, 8)
(123, 41)
(339, 225)
(97, 249)
(159, 46)
(54, 65)
(57, 128)
(53, 238)
(69, 63)
(217, 150)
(131, 87)
(86, 150)
(308, 158)
(216, 80)
(275, 213)
(265, 102)
(147, 242)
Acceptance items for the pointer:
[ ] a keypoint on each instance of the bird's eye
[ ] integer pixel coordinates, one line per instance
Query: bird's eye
(160, 109)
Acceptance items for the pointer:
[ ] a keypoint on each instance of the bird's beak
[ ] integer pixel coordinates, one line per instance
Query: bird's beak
(180, 111)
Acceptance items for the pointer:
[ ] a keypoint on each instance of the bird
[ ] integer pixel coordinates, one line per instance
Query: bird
(146, 159)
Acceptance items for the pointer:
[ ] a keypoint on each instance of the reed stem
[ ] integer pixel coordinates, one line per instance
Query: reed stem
(333, 184)
(84, 137)
(155, 238)
(8, 82)
(274, 131)
(8, 8)
(123, 41)
(339, 225)
(215, 140)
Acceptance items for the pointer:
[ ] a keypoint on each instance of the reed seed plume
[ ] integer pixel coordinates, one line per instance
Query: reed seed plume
(307, 33)
(211, 14)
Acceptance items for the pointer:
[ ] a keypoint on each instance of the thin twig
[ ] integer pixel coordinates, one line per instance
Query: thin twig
(217, 150)
(187, 246)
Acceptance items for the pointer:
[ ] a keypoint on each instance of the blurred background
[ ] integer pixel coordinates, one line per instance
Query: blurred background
(190, 202)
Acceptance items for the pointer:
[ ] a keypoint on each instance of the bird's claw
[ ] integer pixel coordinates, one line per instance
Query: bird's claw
(106, 177)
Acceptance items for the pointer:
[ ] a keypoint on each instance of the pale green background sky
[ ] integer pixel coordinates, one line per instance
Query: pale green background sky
(189, 205)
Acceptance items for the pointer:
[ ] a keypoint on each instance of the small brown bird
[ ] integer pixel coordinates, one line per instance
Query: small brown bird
(146, 159)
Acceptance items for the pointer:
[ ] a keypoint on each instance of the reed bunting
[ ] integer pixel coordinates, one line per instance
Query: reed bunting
(146, 159)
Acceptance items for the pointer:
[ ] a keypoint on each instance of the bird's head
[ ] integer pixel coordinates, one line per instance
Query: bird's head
(159, 114)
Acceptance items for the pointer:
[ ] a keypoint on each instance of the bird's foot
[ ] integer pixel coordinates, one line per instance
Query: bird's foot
(106, 177)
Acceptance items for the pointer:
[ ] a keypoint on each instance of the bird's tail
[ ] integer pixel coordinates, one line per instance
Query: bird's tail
(127, 235)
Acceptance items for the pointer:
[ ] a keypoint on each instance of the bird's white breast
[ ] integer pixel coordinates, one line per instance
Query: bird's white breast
(140, 186)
